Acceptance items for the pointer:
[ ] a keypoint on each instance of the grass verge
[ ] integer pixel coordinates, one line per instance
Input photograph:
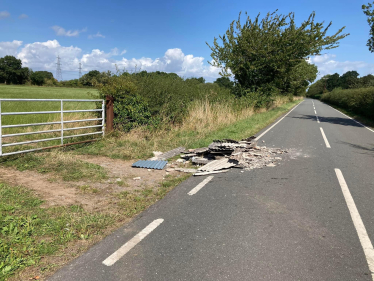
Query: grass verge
(29, 233)
(36, 241)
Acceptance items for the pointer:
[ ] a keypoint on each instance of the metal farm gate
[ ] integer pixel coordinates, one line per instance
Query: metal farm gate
(62, 130)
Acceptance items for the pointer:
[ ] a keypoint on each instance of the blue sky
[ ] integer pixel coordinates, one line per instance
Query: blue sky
(160, 35)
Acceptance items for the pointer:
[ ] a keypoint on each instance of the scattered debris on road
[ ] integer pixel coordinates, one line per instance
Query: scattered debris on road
(219, 156)
(222, 155)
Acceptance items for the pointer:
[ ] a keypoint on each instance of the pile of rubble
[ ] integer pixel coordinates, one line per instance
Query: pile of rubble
(218, 157)
(222, 155)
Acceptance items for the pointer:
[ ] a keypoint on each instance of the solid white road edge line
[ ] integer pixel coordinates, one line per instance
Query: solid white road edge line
(325, 139)
(357, 221)
(113, 258)
(200, 185)
(353, 119)
(256, 139)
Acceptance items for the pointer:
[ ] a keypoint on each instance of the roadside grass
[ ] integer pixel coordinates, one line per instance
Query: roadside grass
(134, 202)
(61, 164)
(362, 119)
(139, 143)
(29, 233)
(31, 236)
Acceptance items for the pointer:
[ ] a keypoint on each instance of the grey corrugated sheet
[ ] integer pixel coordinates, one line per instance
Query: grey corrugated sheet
(150, 164)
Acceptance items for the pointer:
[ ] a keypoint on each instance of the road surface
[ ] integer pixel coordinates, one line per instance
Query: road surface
(309, 218)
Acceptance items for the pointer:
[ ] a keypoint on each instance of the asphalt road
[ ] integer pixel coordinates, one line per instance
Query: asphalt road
(289, 222)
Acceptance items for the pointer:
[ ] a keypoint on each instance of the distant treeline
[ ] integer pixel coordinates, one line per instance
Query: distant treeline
(346, 91)
(348, 80)
(12, 72)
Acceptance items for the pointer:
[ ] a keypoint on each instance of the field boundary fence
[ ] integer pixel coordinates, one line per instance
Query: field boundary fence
(63, 130)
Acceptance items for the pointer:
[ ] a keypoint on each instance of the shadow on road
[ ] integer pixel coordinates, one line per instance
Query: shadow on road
(365, 149)
(332, 120)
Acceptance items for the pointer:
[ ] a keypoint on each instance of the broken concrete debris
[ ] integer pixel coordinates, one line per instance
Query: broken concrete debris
(220, 156)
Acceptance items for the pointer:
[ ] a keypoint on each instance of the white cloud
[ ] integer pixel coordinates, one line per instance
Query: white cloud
(328, 65)
(9, 48)
(123, 52)
(23, 16)
(98, 34)
(4, 15)
(42, 56)
(69, 33)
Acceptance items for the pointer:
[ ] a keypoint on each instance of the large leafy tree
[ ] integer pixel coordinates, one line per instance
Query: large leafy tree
(332, 82)
(302, 75)
(88, 78)
(349, 80)
(260, 52)
(367, 81)
(39, 77)
(224, 82)
(12, 72)
(369, 12)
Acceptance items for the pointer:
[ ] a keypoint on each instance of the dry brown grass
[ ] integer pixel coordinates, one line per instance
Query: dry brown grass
(202, 119)
(205, 116)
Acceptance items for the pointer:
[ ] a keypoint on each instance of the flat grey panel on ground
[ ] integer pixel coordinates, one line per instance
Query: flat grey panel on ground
(170, 153)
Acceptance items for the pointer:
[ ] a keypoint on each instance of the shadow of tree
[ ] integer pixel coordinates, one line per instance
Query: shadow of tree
(366, 149)
(332, 120)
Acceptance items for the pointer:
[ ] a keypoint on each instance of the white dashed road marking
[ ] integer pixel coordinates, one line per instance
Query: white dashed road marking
(112, 259)
(200, 185)
(325, 139)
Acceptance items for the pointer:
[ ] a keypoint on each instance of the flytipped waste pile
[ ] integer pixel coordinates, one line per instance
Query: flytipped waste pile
(222, 155)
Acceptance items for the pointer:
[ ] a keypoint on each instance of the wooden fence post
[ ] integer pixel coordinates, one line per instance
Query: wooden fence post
(109, 113)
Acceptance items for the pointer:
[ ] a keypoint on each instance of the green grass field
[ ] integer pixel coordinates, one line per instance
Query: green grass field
(34, 92)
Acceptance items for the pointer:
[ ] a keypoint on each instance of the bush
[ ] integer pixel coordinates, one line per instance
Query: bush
(38, 77)
(169, 96)
(130, 109)
(130, 112)
(360, 101)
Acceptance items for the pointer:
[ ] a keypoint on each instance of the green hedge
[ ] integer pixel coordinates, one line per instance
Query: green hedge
(360, 101)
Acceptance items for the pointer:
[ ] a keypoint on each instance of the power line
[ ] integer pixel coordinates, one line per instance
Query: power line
(58, 69)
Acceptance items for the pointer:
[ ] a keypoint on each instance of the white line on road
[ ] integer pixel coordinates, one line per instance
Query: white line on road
(315, 112)
(353, 119)
(357, 221)
(200, 185)
(256, 139)
(112, 259)
(325, 139)
(317, 118)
